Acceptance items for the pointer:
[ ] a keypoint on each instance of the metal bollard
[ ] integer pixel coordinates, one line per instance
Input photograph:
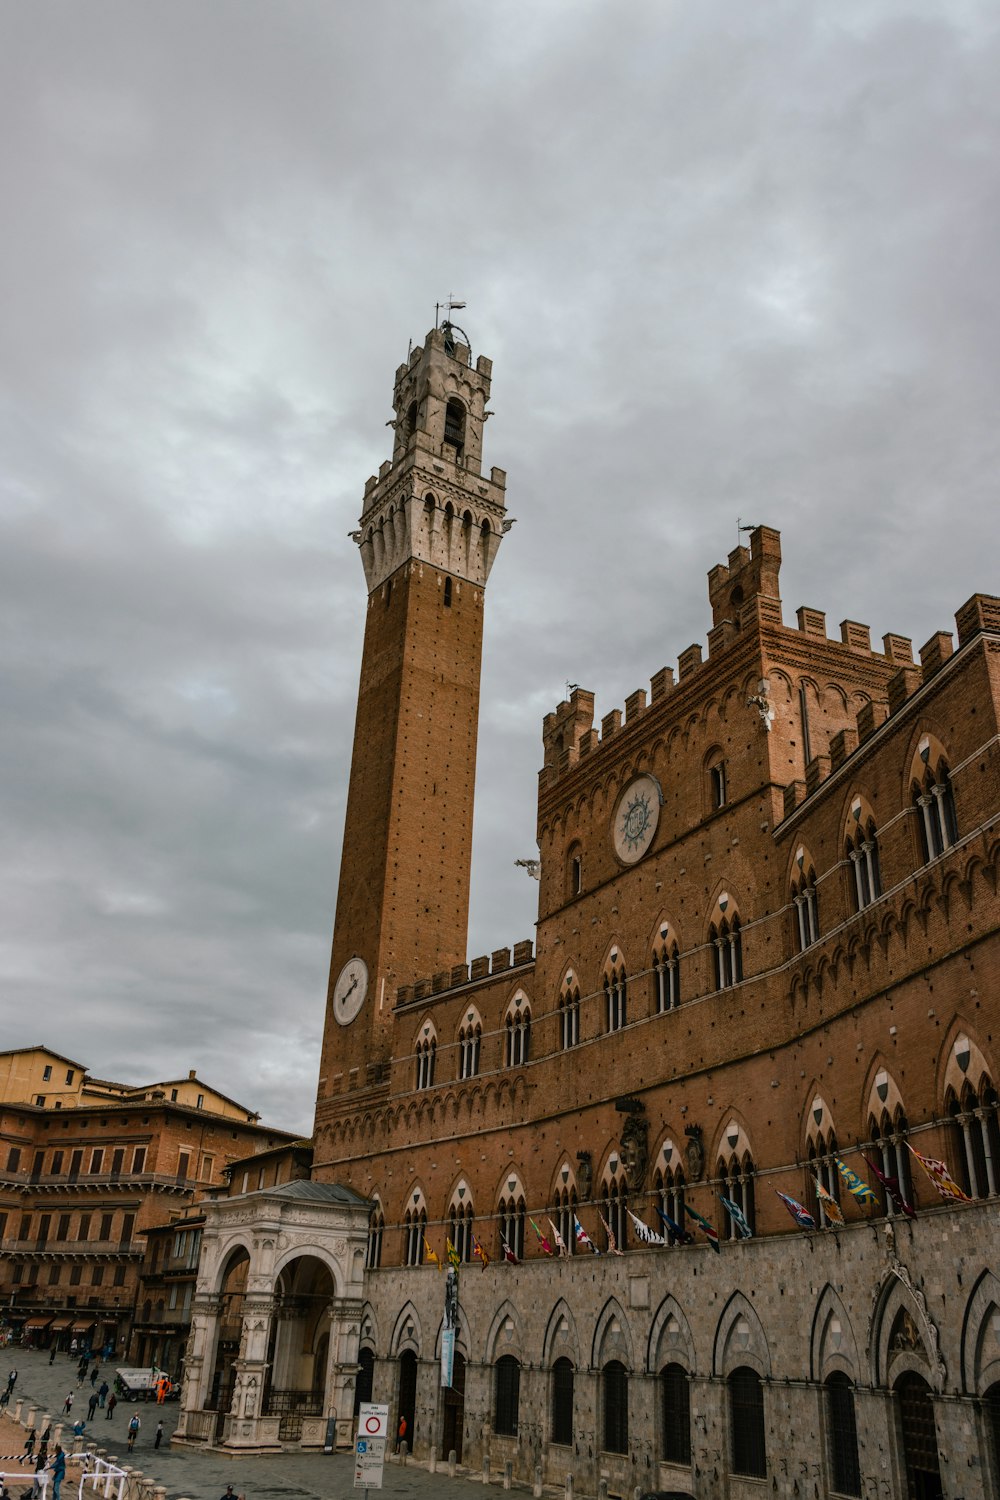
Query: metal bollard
(486, 1468)
(452, 1463)
(536, 1488)
(508, 1474)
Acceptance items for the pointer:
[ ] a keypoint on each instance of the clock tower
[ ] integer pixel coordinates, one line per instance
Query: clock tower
(429, 531)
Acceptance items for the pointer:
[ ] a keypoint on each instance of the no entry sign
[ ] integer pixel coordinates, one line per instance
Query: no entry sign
(373, 1420)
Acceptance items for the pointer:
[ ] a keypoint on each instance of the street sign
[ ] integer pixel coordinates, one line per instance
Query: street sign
(373, 1420)
(369, 1456)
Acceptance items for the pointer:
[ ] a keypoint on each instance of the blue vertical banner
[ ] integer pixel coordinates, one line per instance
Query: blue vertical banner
(447, 1356)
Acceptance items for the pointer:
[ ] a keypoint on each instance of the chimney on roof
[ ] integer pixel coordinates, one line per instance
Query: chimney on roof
(192, 1074)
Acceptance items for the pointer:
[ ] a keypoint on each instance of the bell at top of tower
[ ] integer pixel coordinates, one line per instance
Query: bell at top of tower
(432, 503)
(440, 400)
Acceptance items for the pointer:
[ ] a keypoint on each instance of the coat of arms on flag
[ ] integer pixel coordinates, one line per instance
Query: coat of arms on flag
(736, 1214)
(709, 1228)
(831, 1207)
(801, 1215)
(479, 1252)
(582, 1237)
(941, 1177)
(855, 1185)
(643, 1232)
(430, 1256)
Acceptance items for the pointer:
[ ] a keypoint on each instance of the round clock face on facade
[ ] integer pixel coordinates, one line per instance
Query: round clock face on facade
(636, 815)
(350, 990)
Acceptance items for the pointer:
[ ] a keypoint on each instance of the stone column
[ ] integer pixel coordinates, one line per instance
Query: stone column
(199, 1361)
(251, 1367)
(342, 1369)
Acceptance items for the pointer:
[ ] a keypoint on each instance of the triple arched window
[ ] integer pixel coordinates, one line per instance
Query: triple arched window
(511, 1214)
(518, 1024)
(426, 1055)
(460, 1220)
(666, 972)
(935, 803)
(891, 1154)
(376, 1228)
(565, 1217)
(414, 1230)
(469, 1038)
(726, 938)
(569, 1013)
(862, 851)
(805, 902)
(616, 995)
(736, 1182)
(670, 1187)
(976, 1137)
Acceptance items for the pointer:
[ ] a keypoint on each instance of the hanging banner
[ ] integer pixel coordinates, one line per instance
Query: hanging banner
(447, 1356)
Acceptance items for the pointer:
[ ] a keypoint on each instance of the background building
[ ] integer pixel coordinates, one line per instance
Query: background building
(87, 1167)
(766, 945)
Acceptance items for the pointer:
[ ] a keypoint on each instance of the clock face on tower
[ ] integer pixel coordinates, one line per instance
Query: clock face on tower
(350, 990)
(636, 815)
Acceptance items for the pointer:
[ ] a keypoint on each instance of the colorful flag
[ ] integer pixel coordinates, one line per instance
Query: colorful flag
(454, 1258)
(479, 1252)
(508, 1253)
(429, 1254)
(560, 1242)
(801, 1215)
(710, 1229)
(643, 1232)
(831, 1207)
(736, 1214)
(855, 1185)
(612, 1242)
(582, 1237)
(941, 1177)
(674, 1230)
(547, 1248)
(892, 1187)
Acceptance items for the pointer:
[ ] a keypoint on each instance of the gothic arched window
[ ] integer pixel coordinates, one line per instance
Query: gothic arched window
(862, 852)
(666, 972)
(569, 1013)
(616, 996)
(518, 1024)
(426, 1054)
(469, 1039)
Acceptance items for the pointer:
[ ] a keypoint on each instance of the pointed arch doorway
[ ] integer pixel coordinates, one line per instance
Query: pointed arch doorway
(453, 1411)
(920, 1448)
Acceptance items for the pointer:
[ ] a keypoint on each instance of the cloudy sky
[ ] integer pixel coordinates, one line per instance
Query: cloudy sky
(730, 260)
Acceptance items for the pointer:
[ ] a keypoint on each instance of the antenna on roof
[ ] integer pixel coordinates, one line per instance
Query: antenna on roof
(740, 528)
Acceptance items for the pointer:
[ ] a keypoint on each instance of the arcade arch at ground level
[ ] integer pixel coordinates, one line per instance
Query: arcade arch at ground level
(273, 1350)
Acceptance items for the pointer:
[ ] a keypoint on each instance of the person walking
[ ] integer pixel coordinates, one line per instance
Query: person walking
(11, 1381)
(68, 1404)
(52, 1355)
(133, 1430)
(103, 1392)
(93, 1375)
(112, 1403)
(58, 1467)
(29, 1442)
(91, 1407)
(159, 1435)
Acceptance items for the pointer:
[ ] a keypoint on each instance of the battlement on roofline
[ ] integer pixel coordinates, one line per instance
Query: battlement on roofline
(747, 614)
(488, 966)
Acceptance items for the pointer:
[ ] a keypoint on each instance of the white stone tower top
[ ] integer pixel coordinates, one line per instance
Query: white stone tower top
(431, 503)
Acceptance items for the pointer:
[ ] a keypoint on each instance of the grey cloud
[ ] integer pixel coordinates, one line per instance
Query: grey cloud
(730, 261)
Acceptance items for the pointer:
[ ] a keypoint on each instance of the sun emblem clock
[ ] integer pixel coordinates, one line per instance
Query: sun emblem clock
(636, 815)
(350, 990)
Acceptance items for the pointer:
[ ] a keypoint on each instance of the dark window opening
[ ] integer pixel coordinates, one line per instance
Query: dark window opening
(746, 1419)
(615, 1381)
(506, 1394)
